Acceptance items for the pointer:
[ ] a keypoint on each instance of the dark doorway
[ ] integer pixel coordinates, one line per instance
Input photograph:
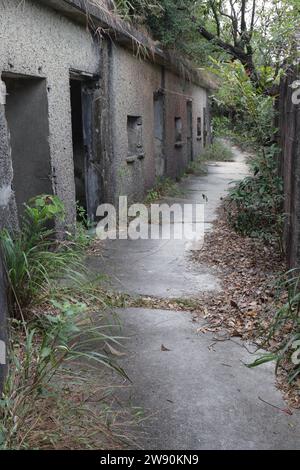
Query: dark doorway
(27, 119)
(205, 132)
(189, 111)
(78, 145)
(86, 167)
(159, 131)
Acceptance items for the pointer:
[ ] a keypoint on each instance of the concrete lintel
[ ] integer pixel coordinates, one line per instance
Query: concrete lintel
(87, 13)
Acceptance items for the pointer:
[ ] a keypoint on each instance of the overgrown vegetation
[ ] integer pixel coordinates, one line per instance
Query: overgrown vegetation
(285, 329)
(84, 230)
(35, 261)
(255, 204)
(39, 351)
(163, 187)
(259, 35)
(51, 296)
(218, 151)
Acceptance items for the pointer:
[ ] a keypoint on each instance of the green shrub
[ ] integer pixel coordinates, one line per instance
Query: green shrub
(221, 126)
(218, 152)
(285, 329)
(197, 167)
(254, 205)
(49, 291)
(83, 235)
(239, 105)
(35, 262)
(163, 187)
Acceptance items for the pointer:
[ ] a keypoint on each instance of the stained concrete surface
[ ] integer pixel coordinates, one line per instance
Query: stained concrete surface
(162, 268)
(198, 394)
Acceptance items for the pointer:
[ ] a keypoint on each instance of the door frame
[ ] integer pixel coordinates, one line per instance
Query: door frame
(190, 130)
(92, 176)
(159, 99)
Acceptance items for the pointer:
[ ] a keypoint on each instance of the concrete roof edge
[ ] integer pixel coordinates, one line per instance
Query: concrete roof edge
(97, 18)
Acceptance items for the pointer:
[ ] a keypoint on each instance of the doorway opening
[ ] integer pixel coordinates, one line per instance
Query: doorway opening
(205, 132)
(159, 132)
(78, 143)
(87, 172)
(189, 111)
(27, 119)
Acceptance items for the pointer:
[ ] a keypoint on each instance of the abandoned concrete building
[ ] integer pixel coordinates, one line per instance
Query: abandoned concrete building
(90, 108)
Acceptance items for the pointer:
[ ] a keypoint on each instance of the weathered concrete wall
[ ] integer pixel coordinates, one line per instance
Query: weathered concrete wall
(178, 93)
(289, 125)
(103, 141)
(39, 42)
(133, 83)
(49, 46)
(200, 104)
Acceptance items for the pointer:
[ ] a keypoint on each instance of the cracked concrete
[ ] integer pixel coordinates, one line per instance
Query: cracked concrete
(162, 268)
(198, 393)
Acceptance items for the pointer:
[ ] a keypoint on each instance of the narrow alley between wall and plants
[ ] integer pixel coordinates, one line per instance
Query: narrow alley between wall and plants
(149, 228)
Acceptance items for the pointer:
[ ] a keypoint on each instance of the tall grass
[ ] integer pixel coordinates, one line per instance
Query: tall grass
(36, 263)
(164, 187)
(218, 151)
(39, 353)
(50, 292)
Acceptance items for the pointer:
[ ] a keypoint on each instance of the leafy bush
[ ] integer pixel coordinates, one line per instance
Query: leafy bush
(254, 206)
(220, 126)
(218, 152)
(83, 236)
(49, 290)
(163, 187)
(285, 329)
(197, 167)
(255, 203)
(242, 107)
(35, 261)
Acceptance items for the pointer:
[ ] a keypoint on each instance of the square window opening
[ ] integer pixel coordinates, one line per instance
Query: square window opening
(178, 130)
(135, 136)
(199, 128)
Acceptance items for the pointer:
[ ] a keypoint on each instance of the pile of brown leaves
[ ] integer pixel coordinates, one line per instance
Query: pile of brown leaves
(250, 297)
(249, 270)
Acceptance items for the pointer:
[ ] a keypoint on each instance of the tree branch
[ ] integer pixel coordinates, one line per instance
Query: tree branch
(235, 51)
(215, 15)
(243, 17)
(252, 18)
(238, 53)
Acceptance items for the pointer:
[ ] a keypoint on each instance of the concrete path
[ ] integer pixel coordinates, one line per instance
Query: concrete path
(195, 391)
(162, 268)
(200, 395)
